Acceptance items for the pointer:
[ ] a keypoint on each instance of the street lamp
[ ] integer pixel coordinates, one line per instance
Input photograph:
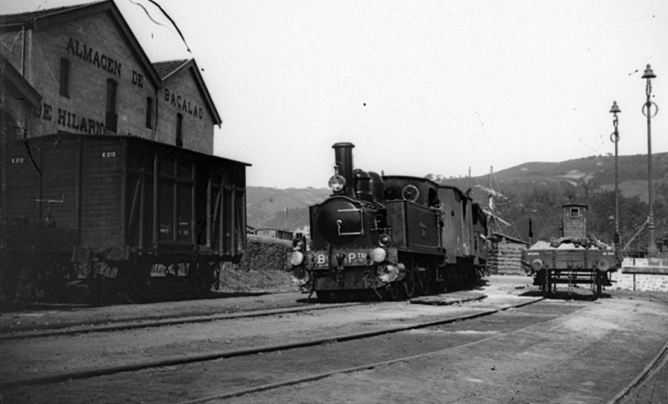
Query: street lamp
(646, 110)
(614, 137)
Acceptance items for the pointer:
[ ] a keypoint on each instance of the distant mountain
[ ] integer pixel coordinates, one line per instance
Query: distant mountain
(594, 173)
(288, 208)
(285, 209)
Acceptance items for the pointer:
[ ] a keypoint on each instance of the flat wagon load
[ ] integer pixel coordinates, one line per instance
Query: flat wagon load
(575, 258)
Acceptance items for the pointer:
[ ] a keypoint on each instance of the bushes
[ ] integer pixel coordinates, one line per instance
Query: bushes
(262, 268)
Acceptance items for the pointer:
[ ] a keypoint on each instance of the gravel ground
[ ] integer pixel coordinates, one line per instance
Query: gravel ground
(583, 357)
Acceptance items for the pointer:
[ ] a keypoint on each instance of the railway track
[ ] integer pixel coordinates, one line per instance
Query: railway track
(372, 365)
(266, 369)
(243, 353)
(139, 323)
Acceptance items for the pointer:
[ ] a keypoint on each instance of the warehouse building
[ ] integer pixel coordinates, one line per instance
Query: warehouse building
(81, 70)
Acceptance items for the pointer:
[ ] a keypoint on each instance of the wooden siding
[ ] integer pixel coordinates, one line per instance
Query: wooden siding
(101, 190)
(102, 178)
(23, 189)
(58, 194)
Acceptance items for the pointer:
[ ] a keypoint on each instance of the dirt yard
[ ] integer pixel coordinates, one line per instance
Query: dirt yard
(584, 356)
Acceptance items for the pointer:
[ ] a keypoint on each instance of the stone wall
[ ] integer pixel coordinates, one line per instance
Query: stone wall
(653, 283)
(505, 259)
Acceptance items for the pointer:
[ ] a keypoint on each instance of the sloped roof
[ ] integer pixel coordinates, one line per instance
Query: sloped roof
(170, 68)
(11, 79)
(159, 72)
(28, 18)
(45, 18)
(500, 236)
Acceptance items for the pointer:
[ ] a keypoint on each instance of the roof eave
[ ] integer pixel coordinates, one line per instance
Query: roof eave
(200, 81)
(19, 84)
(93, 8)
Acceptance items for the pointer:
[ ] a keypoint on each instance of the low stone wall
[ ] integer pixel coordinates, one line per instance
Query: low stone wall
(639, 282)
(642, 274)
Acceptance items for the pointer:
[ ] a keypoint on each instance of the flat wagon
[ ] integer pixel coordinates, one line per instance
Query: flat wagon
(573, 259)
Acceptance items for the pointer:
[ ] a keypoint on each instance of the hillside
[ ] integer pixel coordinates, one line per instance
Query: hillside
(281, 208)
(535, 183)
(595, 173)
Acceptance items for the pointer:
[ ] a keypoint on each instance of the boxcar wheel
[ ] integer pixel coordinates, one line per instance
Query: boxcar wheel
(599, 283)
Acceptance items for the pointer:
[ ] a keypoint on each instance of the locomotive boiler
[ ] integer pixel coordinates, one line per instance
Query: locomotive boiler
(388, 235)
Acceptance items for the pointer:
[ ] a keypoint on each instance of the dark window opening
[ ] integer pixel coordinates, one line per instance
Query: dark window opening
(179, 130)
(149, 112)
(65, 77)
(111, 116)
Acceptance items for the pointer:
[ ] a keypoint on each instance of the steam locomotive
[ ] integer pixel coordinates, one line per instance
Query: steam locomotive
(395, 236)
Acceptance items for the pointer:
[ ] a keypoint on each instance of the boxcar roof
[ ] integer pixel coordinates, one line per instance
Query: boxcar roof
(131, 139)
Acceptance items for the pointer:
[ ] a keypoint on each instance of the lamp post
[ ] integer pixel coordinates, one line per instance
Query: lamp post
(614, 137)
(646, 110)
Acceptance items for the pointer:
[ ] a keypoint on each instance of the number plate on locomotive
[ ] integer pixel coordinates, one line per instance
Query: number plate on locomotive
(351, 257)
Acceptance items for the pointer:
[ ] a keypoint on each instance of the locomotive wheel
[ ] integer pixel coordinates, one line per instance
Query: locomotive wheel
(394, 290)
(409, 287)
(421, 283)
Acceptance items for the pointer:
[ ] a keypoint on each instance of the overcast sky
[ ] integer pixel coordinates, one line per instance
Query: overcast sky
(418, 86)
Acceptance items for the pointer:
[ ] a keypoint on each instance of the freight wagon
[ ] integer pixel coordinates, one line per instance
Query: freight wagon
(116, 214)
(573, 259)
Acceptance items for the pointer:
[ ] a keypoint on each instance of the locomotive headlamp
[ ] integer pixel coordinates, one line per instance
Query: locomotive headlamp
(378, 255)
(296, 258)
(537, 265)
(336, 183)
(384, 240)
(603, 265)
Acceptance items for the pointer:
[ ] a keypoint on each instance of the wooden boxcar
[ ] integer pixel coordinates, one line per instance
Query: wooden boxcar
(125, 209)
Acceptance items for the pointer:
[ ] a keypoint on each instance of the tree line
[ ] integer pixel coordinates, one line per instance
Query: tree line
(542, 207)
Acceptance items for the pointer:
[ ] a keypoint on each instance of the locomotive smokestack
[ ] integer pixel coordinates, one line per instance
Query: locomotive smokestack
(343, 158)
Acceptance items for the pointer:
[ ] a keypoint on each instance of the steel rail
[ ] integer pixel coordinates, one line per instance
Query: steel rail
(652, 367)
(131, 324)
(209, 356)
(319, 376)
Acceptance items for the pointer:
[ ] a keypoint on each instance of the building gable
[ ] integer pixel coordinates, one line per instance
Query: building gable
(93, 77)
(170, 70)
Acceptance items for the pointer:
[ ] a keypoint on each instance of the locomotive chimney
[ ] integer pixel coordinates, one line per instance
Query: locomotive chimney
(343, 158)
